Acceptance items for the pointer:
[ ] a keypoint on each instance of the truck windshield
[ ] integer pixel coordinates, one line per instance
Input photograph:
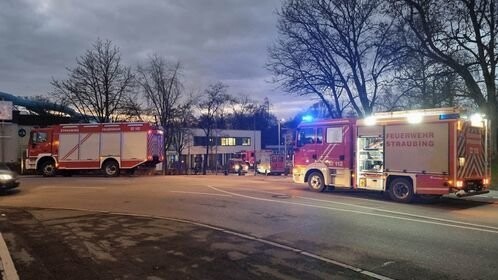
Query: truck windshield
(306, 136)
(38, 137)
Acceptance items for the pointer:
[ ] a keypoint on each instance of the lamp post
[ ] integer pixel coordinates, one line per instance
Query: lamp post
(279, 139)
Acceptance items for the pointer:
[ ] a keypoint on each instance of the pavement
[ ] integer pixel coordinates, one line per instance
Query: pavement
(491, 194)
(68, 244)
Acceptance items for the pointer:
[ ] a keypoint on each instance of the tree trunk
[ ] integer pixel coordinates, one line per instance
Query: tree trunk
(492, 115)
(205, 161)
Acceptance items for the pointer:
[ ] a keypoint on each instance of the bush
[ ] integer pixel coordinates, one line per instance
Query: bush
(494, 174)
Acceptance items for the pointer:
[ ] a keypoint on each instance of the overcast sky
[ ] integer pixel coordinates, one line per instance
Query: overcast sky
(215, 40)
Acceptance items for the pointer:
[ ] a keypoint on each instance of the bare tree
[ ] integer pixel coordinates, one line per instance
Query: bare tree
(182, 126)
(241, 112)
(334, 49)
(424, 83)
(98, 85)
(459, 34)
(161, 85)
(131, 110)
(212, 106)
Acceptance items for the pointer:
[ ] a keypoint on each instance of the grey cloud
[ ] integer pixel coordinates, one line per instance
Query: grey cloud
(215, 40)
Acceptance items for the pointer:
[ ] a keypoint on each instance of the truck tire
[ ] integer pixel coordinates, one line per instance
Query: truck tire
(48, 169)
(111, 168)
(401, 190)
(316, 182)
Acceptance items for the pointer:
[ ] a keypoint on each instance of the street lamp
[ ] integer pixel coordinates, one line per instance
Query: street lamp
(279, 139)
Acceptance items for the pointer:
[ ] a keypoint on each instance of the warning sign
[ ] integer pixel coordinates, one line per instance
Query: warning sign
(6, 110)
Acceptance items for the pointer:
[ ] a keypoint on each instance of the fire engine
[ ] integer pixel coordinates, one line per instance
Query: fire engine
(267, 162)
(110, 147)
(429, 152)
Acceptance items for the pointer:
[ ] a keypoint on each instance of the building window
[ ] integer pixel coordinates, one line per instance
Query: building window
(200, 141)
(228, 141)
(222, 141)
(246, 141)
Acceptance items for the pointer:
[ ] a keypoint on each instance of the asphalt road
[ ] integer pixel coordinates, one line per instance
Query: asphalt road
(444, 239)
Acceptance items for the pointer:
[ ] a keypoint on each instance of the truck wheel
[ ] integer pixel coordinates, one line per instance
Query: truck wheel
(316, 182)
(401, 190)
(48, 169)
(111, 168)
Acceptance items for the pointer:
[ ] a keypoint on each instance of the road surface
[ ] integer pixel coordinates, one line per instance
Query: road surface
(445, 239)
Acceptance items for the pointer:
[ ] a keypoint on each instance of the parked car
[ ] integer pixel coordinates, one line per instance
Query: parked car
(8, 178)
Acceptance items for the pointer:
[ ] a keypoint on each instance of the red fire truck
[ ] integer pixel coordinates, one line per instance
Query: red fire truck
(110, 147)
(267, 162)
(419, 152)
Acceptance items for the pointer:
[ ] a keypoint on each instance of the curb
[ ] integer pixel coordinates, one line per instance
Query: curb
(7, 267)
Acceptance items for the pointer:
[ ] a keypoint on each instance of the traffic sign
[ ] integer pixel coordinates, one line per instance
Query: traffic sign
(6, 110)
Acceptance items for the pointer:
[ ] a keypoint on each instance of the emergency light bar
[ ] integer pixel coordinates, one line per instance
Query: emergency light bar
(307, 118)
(449, 116)
(414, 116)
(420, 112)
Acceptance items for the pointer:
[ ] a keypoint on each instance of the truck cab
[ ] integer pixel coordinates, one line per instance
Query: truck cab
(324, 153)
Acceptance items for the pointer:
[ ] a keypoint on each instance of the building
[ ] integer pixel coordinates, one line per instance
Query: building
(222, 145)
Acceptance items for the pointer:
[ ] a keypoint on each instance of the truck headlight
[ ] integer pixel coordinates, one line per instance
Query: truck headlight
(6, 177)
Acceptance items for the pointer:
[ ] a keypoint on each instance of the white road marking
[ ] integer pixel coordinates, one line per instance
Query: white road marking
(68, 188)
(462, 225)
(201, 193)
(399, 213)
(378, 209)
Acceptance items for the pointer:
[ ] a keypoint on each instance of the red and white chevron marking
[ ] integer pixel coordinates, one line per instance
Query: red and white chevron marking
(475, 163)
(83, 140)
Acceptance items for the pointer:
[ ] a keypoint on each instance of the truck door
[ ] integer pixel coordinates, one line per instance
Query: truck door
(40, 142)
(310, 145)
(335, 146)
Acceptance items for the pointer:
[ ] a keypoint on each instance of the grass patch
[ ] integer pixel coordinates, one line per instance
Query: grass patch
(494, 174)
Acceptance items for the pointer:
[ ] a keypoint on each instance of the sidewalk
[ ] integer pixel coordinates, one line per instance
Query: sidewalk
(491, 194)
(7, 268)
(77, 245)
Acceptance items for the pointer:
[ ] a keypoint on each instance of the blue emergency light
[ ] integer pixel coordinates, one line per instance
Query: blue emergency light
(449, 116)
(307, 118)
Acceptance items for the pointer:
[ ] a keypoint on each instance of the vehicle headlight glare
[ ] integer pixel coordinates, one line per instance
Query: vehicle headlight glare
(5, 177)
